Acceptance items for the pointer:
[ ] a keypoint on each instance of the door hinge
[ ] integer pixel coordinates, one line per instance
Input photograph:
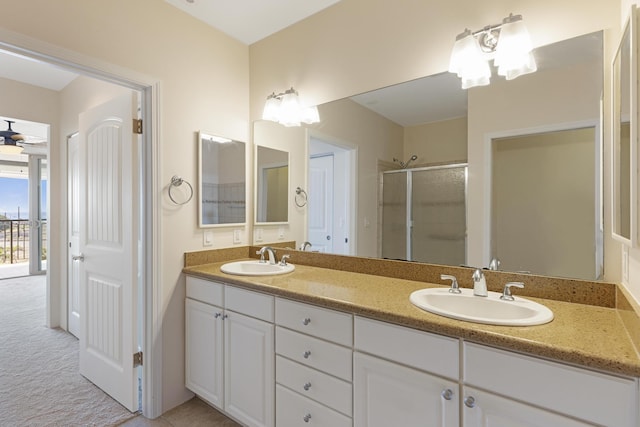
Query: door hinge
(137, 126)
(137, 359)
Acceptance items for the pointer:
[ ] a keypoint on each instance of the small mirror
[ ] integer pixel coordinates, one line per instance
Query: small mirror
(222, 181)
(272, 185)
(623, 137)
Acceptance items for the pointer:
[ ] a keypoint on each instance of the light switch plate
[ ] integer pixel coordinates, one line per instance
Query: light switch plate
(258, 234)
(207, 238)
(280, 233)
(237, 236)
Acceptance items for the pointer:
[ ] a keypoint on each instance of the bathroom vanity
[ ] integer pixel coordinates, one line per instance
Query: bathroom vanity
(324, 347)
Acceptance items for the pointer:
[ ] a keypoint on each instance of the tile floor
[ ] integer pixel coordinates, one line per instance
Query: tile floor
(194, 413)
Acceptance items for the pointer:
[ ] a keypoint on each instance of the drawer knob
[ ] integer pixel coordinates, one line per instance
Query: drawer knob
(217, 315)
(306, 386)
(306, 321)
(447, 394)
(470, 402)
(306, 354)
(307, 418)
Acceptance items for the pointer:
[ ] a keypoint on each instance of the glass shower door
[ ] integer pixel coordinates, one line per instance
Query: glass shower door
(394, 214)
(439, 226)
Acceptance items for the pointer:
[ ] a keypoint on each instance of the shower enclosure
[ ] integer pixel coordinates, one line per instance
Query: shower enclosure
(424, 214)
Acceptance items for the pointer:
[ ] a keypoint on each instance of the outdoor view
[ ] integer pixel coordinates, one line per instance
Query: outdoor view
(15, 226)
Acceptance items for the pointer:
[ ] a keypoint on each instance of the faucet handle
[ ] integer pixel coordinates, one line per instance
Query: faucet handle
(283, 260)
(455, 289)
(506, 293)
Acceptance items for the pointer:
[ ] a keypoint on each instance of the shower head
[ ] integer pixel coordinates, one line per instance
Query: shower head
(405, 164)
(414, 157)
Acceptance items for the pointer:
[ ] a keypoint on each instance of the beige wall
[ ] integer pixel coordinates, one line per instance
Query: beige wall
(204, 84)
(543, 203)
(437, 142)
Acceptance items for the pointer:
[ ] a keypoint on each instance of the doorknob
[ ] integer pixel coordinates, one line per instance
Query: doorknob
(79, 257)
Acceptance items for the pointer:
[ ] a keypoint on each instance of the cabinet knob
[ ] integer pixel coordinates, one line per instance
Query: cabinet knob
(306, 354)
(447, 394)
(306, 321)
(307, 418)
(217, 315)
(470, 402)
(306, 386)
(226, 316)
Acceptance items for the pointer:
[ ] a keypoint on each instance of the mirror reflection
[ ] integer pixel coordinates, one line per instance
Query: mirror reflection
(432, 122)
(622, 139)
(222, 181)
(272, 184)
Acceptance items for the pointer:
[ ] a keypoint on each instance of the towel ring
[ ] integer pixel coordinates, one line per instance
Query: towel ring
(176, 181)
(300, 193)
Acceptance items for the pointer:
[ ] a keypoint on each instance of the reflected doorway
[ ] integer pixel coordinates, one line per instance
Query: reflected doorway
(331, 200)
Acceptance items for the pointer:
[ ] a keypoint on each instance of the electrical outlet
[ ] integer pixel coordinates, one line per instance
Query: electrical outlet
(237, 238)
(207, 238)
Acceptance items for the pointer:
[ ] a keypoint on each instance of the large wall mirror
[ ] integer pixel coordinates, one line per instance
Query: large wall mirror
(432, 122)
(272, 185)
(222, 182)
(624, 75)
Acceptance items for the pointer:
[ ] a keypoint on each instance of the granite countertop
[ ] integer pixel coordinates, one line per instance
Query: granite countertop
(580, 334)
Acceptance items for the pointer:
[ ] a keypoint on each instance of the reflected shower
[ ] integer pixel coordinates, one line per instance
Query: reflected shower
(405, 165)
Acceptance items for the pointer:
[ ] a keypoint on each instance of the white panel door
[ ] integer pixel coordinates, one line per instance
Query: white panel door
(483, 409)
(250, 370)
(321, 203)
(109, 218)
(388, 394)
(73, 230)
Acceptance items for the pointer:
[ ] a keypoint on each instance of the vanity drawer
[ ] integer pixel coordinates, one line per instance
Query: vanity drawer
(319, 322)
(588, 395)
(318, 354)
(429, 352)
(205, 291)
(253, 304)
(315, 385)
(295, 410)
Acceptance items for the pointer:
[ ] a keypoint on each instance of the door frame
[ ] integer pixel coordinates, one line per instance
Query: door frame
(150, 89)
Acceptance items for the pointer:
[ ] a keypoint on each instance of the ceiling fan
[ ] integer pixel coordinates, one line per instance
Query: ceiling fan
(13, 142)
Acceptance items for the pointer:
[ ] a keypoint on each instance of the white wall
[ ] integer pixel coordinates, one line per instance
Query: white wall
(204, 84)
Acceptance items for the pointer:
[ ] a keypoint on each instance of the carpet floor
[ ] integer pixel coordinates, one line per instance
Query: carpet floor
(39, 380)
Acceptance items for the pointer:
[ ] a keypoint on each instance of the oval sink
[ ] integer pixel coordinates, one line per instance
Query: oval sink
(255, 268)
(490, 310)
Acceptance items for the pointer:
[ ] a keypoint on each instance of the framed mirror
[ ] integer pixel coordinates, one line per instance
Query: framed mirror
(272, 185)
(624, 138)
(222, 181)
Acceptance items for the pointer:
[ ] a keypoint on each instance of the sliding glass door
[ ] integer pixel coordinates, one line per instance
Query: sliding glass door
(38, 179)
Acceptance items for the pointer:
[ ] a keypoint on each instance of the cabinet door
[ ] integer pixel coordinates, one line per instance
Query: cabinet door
(482, 409)
(249, 368)
(388, 394)
(204, 364)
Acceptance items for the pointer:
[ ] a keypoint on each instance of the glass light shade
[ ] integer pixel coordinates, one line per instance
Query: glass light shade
(271, 109)
(310, 115)
(289, 110)
(10, 149)
(468, 62)
(513, 54)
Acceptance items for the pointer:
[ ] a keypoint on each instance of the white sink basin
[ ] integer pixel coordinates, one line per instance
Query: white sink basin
(255, 268)
(490, 310)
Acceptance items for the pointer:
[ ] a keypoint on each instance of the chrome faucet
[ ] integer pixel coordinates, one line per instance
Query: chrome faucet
(304, 246)
(479, 283)
(494, 265)
(269, 250)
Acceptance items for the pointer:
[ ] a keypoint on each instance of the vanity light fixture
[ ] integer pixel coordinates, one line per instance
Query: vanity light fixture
(285, 109)
(508, 44)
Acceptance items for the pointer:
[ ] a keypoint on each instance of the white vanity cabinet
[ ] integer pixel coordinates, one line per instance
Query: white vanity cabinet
(404, 377)
(502, 388)
(230, 350)
(313, 366)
